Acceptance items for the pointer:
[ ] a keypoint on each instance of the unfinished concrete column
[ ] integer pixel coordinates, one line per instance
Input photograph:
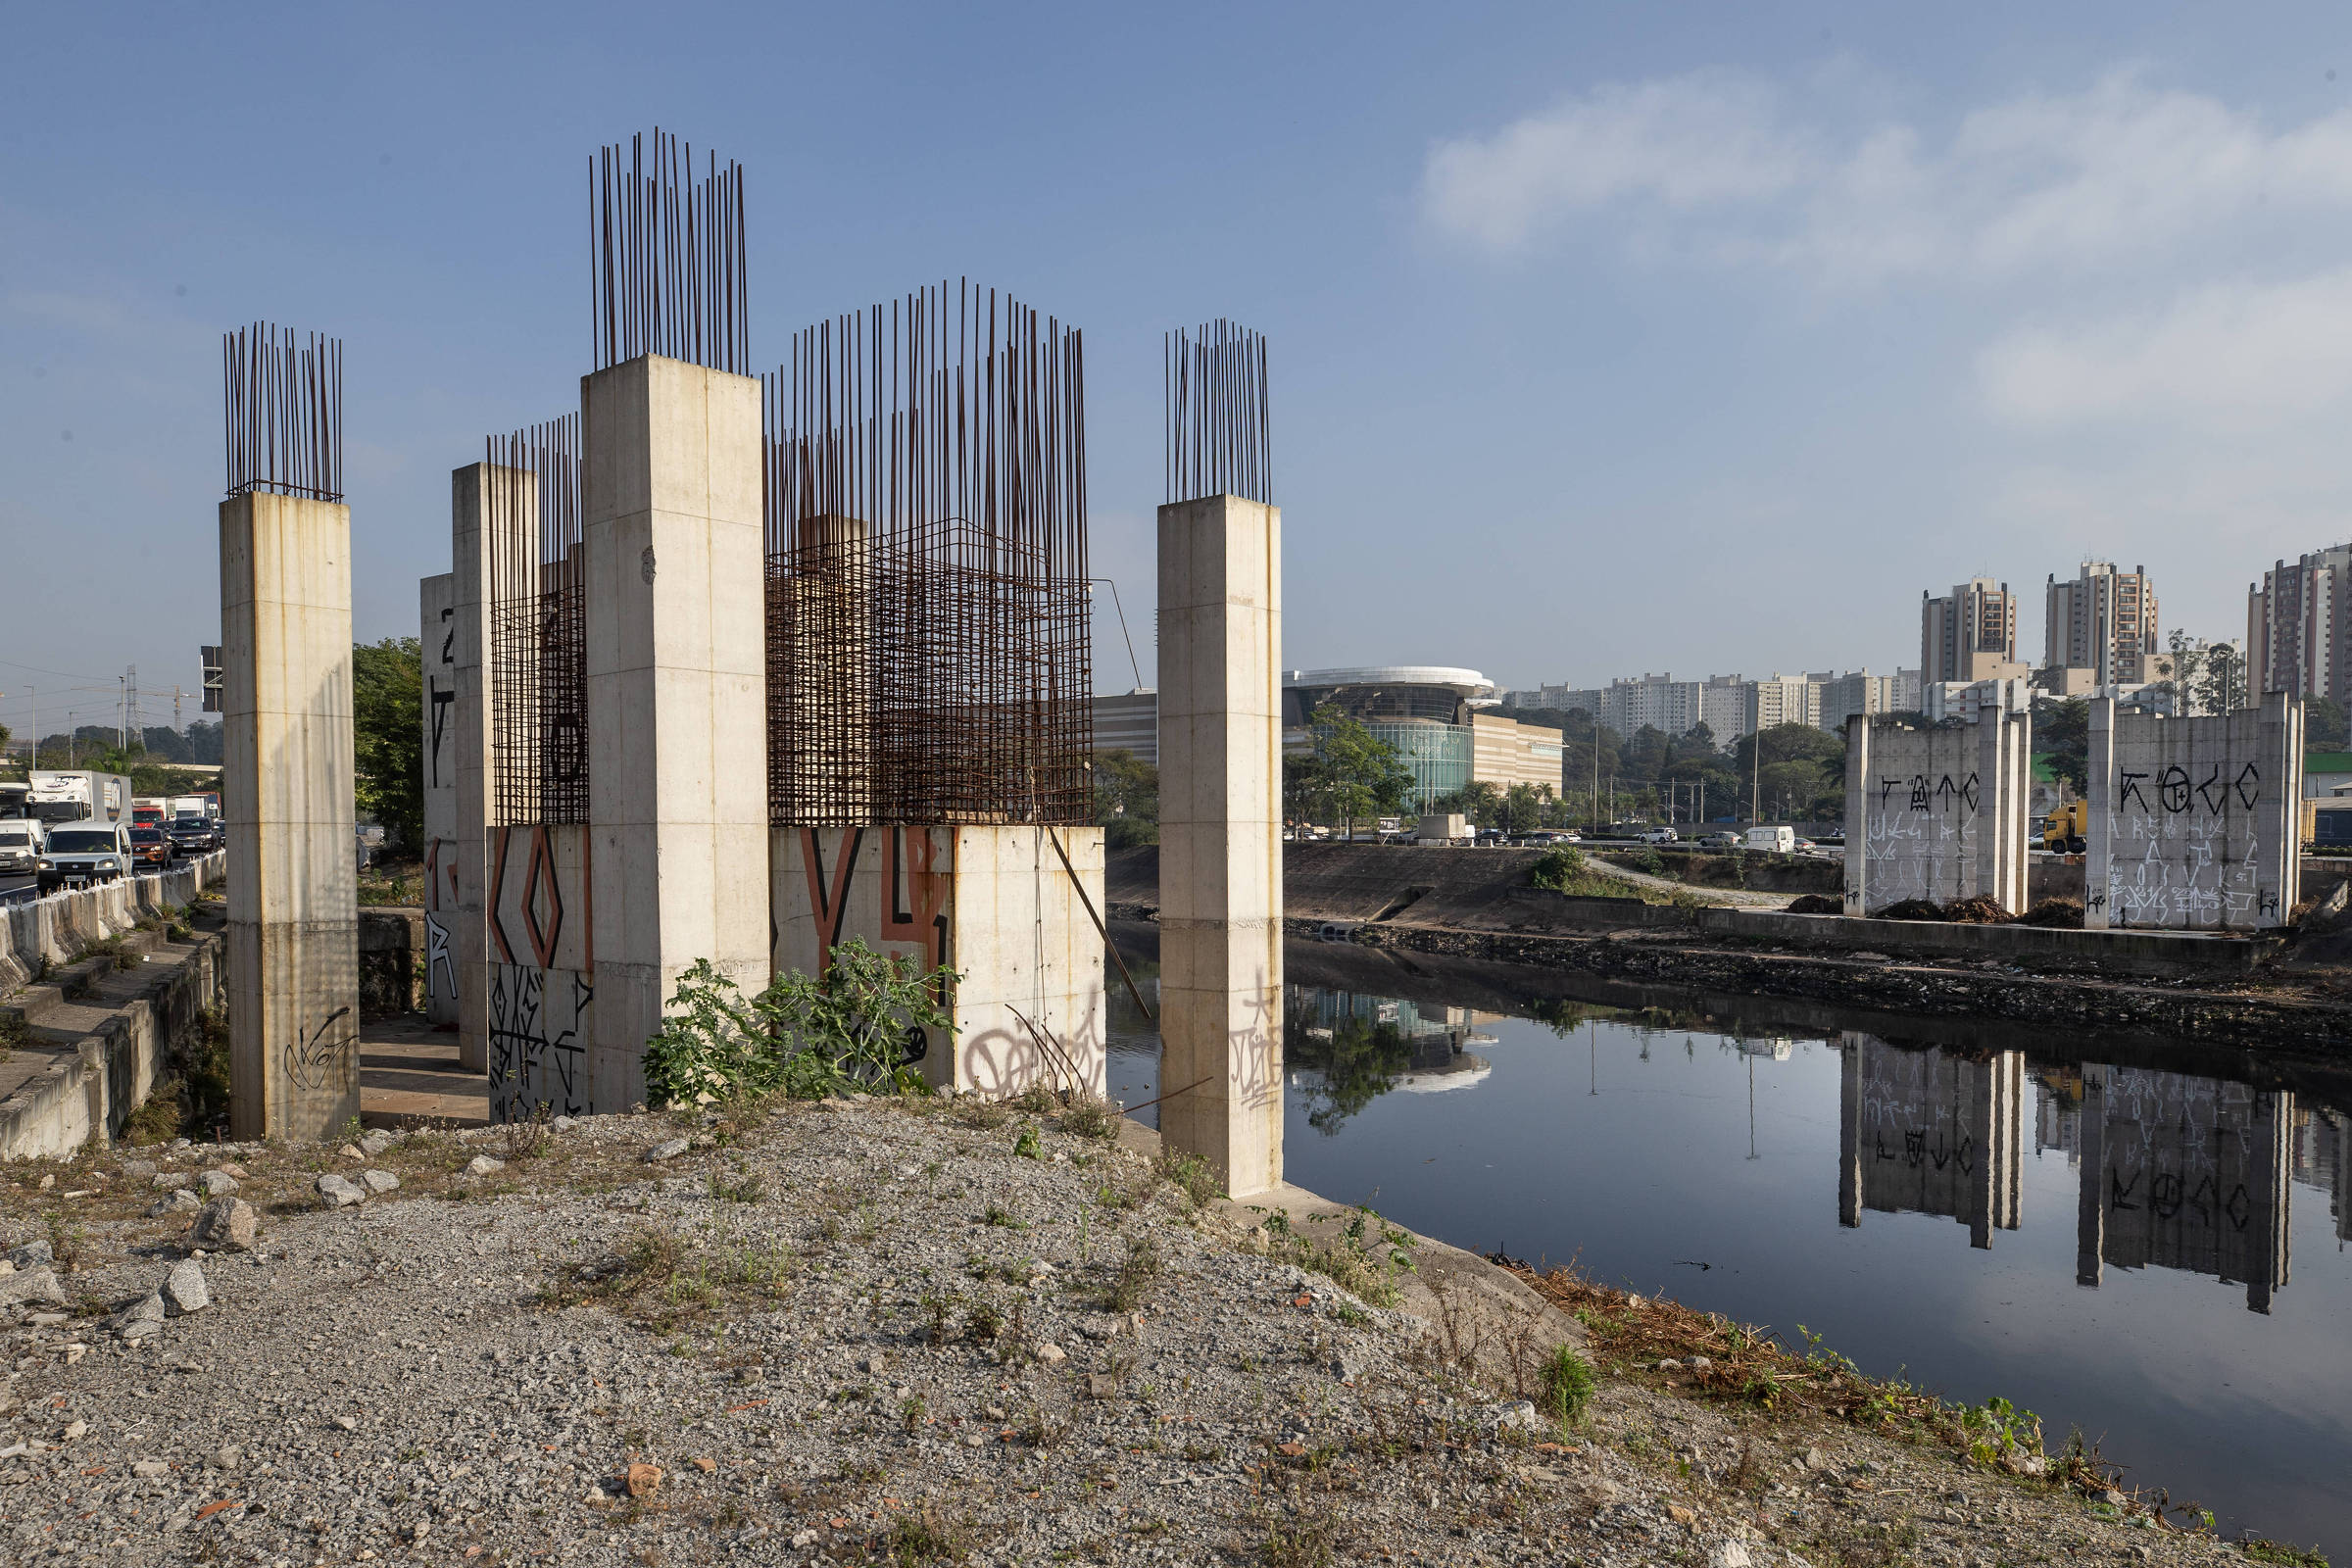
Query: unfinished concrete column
(437, 638)
(470, 503)
(678, 695)
(1220, 857)
(293, 877)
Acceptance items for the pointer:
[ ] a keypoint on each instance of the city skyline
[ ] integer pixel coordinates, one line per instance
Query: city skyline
(1740, 312)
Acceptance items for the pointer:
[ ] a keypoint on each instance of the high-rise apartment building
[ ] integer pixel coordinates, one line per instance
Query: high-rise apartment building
(1905, 696)
(2104, 620)
(1858, 692)
(2299, 626)
(1723, 704)
(1658, 701)
(1969, 634)
(1783, 700)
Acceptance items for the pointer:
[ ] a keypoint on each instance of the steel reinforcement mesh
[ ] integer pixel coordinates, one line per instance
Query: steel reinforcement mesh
(537, 659)
(928, 615)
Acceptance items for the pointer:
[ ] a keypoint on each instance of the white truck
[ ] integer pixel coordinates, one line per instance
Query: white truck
(1773, 840)
(1444, 827)
(207, 806)
(75, 795)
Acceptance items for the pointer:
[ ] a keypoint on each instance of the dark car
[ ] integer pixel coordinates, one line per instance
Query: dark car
(151, 844)
(193, 835)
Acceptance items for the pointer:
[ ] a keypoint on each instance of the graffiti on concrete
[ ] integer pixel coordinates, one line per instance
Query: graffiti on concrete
(320, 1059)
(541, 976)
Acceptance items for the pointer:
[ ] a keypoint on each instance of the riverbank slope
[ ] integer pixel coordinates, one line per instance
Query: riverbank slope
(903, 1330)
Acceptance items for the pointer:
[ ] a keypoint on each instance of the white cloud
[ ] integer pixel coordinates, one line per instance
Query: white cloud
(2106, 175)
(2237, 354)
(1685, 143)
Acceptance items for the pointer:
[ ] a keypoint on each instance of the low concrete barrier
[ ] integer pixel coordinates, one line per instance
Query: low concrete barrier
(90, 1087)
(52, 930)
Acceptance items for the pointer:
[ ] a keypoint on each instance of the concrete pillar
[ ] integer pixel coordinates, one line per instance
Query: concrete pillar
(437, 633)
(293, 893)
(469, 506)
(1220, 855)
(678, 695)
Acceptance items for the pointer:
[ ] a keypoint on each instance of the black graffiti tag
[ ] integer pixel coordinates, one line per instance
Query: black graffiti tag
(2249, 785)
(1919, 792)
(1886, 788)
(2205, 790)
(2173, 788)
(2130, 792)
(1970, 791)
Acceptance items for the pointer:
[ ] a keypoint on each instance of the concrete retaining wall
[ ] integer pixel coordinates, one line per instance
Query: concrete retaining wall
(52, 930)
(90, 1091)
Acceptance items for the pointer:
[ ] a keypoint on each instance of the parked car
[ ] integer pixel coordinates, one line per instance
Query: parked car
(1721, 841)
(194, 835)
(151, 846)
(83, 853)
(1660, 835)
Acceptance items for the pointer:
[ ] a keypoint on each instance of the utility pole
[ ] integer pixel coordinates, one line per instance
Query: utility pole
(121, 710)
(1596, 773)
(177, 694)
(130, 704)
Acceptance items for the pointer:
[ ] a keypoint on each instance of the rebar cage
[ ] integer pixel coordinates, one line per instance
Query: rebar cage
(283, 413)
(1220, 431)
(928, 620)
(538, 652)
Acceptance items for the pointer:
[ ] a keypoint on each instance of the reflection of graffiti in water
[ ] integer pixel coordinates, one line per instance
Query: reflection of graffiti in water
(316, 1062)
(536, 1057)
(440, 967)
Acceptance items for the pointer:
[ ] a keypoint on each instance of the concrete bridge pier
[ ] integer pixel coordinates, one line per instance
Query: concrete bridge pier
(1220, 857)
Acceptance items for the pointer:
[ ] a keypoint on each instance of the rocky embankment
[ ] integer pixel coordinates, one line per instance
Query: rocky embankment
(915, 1332)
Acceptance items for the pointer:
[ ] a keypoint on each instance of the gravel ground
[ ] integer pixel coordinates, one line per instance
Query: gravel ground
(843, 1332)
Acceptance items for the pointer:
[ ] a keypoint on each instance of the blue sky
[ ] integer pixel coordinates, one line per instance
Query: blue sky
(1604, 339)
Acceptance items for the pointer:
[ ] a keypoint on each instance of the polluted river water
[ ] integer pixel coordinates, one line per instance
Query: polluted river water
(2134, 1239)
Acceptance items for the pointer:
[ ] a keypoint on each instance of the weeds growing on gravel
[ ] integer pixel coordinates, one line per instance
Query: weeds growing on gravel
(1084, 1116)
(664, 1282)
(1189, 1175)
(1364, 1258)
(1308, 1539)
(155, 1121)
(1131, 1286)
(926, 1536)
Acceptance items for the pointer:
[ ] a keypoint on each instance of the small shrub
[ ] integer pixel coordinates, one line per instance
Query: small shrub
(1132, 1286)
(204, 1072)
(1568, 1386)
(983, 1323)
(1002, 1218)
(809, 1037)
(1559, 868)
(1037, 1099)
(1028, 1145)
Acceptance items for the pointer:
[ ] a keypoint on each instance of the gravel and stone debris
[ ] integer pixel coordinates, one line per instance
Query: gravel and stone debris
(820, 1335)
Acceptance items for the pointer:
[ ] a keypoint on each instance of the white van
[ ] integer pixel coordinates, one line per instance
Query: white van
(20, 840)
(1775, 840)
(86, 851)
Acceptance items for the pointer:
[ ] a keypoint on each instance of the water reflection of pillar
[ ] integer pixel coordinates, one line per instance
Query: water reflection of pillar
(1930, 1132)
(2186, 1173)
(1849, 1129)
